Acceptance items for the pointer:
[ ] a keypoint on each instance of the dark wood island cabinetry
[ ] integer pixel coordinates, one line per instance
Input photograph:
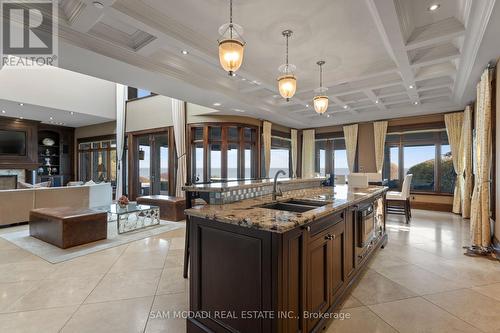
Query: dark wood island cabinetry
(255, 269)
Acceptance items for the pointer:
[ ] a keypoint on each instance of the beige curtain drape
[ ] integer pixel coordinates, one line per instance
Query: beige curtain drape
(466, 181)
(266, 139)
(121, 106)
(351, 142)
(454, 124)
(308, 137)
(293, 136)
(480, 205)
(179, 120)
(379, 131)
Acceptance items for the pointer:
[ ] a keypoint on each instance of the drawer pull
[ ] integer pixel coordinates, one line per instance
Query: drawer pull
(329, 237)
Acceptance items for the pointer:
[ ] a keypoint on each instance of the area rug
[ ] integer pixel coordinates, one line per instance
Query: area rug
(55, 255)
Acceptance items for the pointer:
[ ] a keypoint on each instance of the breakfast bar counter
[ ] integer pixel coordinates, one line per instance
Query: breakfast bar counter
(283, 265)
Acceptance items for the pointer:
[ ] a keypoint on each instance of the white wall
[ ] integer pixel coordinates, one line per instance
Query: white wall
(58, 89)
(156, 111)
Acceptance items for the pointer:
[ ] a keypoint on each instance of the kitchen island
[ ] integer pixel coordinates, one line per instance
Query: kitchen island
(286, 265)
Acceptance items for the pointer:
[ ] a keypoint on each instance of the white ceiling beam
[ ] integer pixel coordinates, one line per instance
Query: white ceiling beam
(375, 100)
(386, 19)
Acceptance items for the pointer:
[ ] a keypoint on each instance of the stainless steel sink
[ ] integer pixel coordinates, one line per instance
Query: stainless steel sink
(293, 205)
(306, 202)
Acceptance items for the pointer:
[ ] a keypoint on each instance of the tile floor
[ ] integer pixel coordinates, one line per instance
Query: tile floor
(420, 282)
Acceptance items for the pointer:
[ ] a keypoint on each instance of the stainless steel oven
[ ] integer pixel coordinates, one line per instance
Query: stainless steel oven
(366, 225)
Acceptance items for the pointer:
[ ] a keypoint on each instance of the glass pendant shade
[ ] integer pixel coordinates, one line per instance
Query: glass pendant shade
(231, 54)
(287, 85)
(320, 104)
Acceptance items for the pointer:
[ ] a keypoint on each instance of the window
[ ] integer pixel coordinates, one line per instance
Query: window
(228, 152)
(331, 157)
(426, 155)
(280, 156)
(97, 161)
(155, 157)
(419, 161)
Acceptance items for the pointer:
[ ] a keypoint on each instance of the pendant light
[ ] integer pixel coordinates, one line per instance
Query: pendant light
(320, 101)
(231, 44)
(287, 82)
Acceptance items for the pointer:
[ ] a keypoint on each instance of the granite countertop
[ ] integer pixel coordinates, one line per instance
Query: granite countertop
(245, 213)
(241, 184)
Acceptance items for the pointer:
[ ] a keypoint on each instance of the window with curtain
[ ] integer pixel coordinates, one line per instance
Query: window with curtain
(280, 156)
(426, 155)
(228, 151)
(331, 156)
(97, 161)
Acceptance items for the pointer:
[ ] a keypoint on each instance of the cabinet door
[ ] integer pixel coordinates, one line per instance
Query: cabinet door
(338, 258)
(350, 242)
(318, 276)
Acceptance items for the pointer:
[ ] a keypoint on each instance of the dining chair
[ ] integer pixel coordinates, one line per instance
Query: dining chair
(399, 202)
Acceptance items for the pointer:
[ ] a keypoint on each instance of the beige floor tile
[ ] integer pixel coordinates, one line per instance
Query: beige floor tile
(174, 258)
(416, 315)
(375, 288)
(134, 261)
(25, 271)
(172, 281)
(360, 319)
(124, 285)
(11, 292)
(39, 321)
(95, 264)
(442, 250)
(383, 259)
(151, 244)
(16, 255)
(162, 307)
(177, 243)
(491, 290)
(56, 293)
(470, 306)
(418, 280)
(118, 316)
(351, 302)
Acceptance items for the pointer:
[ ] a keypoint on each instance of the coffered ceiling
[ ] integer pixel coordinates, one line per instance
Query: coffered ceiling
(384, 58)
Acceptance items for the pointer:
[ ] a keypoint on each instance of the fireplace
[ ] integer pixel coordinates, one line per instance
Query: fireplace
(8, 182)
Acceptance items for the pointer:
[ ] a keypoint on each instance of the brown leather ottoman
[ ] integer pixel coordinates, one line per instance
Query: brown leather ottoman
(66, 227)
(171, 208)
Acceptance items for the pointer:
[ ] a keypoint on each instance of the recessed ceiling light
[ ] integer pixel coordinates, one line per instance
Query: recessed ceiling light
(21, 118)
(217, 104)
(416, 102)
(243, 79)
(233, 74)
(238, 110)
(184, 52)
(72, 113)
(256, 82)
(3, 111)
(411, 86)
(51, 118)
(328, 116)
(21, 104)
(307, 105)
(98, 5)
(377, 101)
(345, 106)
(434, 7)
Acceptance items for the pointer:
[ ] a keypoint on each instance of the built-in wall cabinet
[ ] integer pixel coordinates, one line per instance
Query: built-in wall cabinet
(152, 162)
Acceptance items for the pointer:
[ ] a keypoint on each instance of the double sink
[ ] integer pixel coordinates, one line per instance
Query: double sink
(294, 205)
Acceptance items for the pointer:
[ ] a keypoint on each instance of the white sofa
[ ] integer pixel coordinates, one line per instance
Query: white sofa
(15, 205)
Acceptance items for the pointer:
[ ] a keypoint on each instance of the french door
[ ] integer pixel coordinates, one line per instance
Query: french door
(154, 158)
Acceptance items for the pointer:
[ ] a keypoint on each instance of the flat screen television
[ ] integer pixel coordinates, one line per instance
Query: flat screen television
(12, 143)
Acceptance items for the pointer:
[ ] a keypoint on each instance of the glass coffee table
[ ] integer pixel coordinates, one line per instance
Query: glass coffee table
(133, 216)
